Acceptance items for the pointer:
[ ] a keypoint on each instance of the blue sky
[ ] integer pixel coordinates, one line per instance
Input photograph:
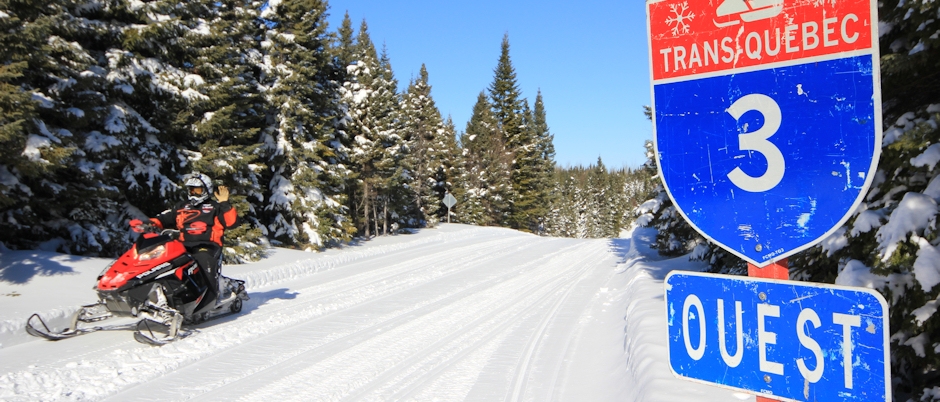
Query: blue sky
(589, 58)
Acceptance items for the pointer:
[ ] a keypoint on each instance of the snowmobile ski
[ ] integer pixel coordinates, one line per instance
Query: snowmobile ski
(35, 326)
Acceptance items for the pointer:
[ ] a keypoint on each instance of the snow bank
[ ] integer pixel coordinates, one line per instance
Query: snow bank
(645, 333)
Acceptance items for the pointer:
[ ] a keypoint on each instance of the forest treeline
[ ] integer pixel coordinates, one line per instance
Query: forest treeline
(106, 105)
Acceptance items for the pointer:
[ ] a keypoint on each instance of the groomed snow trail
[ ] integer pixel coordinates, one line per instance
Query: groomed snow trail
(480, 314)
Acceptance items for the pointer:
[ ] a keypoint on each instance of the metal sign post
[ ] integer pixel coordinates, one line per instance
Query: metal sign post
(449, 201)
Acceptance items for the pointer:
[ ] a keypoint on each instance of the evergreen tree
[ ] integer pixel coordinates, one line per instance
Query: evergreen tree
(306, 203)
(433, 146)
(486, 165)
(226, 121)
(345, 48)
(378, 150)
(528, 143)
(396, 198)
(506, 103)
(544, 166)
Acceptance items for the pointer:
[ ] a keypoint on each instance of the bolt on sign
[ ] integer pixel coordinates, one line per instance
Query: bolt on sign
(767, 120)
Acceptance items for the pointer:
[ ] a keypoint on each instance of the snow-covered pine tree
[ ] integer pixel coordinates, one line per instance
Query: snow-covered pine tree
(226, 121)
(599, 212)
(345, 45)
(564, 210)
(307, 154)
(377, 150)
(545, 166)
(140, 46)
(361, 126)
(106, 93)
(396, 205)
(508, 109)
(433, 149)
(486, 184)
(31, 155)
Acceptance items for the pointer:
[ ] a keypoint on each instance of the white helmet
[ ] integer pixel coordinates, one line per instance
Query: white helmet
(198, 187)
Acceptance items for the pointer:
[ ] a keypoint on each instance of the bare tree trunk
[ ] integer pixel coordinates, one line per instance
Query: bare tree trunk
(375, 216)
(365, 209)
(385, 218)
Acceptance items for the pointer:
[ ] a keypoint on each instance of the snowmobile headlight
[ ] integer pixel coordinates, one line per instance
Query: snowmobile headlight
(152, 254)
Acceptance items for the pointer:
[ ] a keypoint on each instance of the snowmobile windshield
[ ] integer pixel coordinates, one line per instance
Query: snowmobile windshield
(147, 244)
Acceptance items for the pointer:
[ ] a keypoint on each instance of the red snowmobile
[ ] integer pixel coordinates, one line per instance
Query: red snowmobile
(154, 288)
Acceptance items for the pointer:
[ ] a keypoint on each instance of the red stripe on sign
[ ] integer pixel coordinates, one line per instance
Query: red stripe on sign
(695, 37)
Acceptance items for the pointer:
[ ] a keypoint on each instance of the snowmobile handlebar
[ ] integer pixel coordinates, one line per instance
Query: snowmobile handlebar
(151, 228)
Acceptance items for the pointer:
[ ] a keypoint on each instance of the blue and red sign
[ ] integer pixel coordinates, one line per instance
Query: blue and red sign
(767, 119)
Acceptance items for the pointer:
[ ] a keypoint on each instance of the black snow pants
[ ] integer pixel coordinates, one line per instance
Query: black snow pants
(208, 255)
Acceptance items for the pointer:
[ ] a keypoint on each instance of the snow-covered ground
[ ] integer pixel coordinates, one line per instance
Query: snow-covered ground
(448, 314)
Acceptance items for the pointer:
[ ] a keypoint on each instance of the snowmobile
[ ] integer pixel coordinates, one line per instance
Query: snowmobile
(155, 288)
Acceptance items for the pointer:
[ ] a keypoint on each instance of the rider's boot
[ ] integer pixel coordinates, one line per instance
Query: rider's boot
(225, 292)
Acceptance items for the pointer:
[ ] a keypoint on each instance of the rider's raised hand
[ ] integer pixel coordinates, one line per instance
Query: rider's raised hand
(221, 194)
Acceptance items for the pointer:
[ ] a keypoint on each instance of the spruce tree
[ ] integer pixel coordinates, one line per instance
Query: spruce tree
(486, 167)
(225, 123)
(306, 152)
(395, 205)
(544, 165)
(377, 150)
(433, 146)
(526, 143)
(506, 103)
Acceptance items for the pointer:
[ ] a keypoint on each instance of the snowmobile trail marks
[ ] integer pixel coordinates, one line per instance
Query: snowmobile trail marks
(348, 283)
(466, 304)
(407, 353)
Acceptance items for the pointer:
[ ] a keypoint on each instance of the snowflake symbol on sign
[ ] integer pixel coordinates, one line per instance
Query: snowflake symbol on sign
(680, 18)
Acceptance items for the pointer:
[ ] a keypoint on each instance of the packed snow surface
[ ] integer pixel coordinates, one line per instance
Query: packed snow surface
(456, 313)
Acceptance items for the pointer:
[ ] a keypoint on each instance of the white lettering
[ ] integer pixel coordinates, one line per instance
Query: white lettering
(735, 360)
(765, 338)
(845, 37)
(802, 37)
(694, 353)
(828, 31)
(710, 51)
(847, 322)
(729, 51)
(665, 52)
(813, 375)
(810, 38)
(694, 57)
(776, 49)
(753, 54)
(789, 37)
(678, 53)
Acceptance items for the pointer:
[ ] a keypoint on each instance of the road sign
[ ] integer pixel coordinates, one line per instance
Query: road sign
(791, 340)
(767, 118)
(449, 200)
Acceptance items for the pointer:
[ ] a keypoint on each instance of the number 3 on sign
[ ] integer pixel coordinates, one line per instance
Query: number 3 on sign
(757, 141)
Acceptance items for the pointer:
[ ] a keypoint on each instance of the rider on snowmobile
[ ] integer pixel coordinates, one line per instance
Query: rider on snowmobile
(202, 223)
